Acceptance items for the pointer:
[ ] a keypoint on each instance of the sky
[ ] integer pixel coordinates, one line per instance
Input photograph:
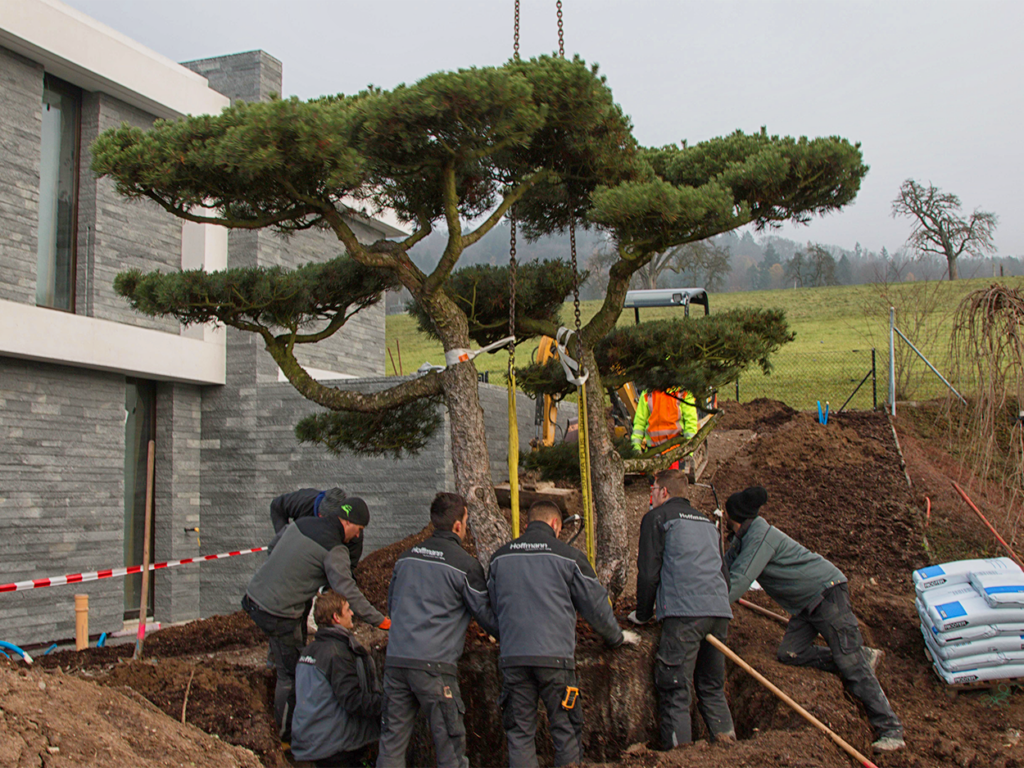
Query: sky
(931, 89)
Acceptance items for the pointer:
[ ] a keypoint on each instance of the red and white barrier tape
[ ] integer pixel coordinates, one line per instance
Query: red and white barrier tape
(76, 578)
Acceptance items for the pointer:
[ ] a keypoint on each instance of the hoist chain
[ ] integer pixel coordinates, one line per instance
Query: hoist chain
(561, 33)
(515, 45)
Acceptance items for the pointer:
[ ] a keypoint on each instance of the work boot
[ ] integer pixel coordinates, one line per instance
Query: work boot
(874, 657)
(725, 739)
(889, 743)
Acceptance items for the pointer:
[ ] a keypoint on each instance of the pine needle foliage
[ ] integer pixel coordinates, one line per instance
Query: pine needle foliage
(698, 353)
(561, 461)
(267, 297)
(403, 430)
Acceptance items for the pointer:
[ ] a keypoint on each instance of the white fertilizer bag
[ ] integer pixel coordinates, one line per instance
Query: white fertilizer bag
(959, 571)
(966, 634)
(980, 675)
(1000, 589)
(961, 606)
(977, 661)
(993, 644)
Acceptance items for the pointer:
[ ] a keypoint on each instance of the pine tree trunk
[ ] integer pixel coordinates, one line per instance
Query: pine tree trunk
(471, 460)
(608, 478)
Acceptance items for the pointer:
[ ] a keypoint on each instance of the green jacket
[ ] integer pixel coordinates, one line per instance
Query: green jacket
(687, 417)
(791, 575)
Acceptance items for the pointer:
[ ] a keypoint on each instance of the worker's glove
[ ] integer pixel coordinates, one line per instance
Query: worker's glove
(629, 637)
(634, 620)
(386, 624)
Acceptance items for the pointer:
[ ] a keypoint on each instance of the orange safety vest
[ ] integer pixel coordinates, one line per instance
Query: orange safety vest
(664, 421)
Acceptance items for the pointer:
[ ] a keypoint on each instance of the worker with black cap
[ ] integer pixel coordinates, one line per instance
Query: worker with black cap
(309, 554)
(816, 595)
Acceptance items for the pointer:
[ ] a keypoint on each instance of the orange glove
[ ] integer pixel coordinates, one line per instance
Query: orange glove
(386, 624)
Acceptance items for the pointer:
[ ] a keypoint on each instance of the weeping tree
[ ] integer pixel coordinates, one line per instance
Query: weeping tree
(987, 357)
(542, 135)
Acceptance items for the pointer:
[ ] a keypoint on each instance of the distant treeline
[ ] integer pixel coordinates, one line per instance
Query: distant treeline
(729, 262)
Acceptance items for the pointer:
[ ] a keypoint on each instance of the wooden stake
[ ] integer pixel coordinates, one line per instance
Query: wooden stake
(150, 467)
(185, 702)
(81, 622)
(787, 700)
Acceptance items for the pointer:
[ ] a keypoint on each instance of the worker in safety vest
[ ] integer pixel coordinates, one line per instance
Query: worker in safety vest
(660, 416)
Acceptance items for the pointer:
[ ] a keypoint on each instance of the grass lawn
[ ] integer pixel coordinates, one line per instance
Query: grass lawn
(836, 327)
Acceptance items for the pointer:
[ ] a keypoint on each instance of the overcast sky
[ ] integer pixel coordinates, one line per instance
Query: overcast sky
(931, 89)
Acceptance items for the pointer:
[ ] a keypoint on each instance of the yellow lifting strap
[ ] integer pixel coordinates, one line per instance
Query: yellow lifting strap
(585, 490)
(513, 416)
(575, 375)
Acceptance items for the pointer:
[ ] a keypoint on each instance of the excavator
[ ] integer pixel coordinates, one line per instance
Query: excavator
(624, 399)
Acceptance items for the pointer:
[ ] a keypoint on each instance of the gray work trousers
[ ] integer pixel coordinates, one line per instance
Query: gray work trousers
(519, 693)
(833, 619)
(406, 691)
(687, 661)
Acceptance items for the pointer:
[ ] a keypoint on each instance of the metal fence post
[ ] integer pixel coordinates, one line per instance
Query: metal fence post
(892, 360)
(737, 389)
(874, 382)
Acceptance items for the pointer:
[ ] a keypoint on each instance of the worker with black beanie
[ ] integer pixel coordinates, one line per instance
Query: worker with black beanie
(816, 595)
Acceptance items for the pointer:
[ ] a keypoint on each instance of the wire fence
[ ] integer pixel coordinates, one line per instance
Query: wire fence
(853, 379)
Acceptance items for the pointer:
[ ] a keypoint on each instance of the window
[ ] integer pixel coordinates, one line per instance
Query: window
(58, 195)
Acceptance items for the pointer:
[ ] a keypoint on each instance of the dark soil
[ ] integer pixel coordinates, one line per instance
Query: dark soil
(840, 489)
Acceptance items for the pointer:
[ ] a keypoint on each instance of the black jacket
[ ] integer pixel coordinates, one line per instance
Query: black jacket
(537, 583)
(305, 502)
(338, 696)
(680, 568)
(435, 587)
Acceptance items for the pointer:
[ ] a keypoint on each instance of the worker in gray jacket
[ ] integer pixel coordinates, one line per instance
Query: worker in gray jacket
(435, 588)
(682, 581)
(816, 595)
(338, 693)
(309, 554)
(537, 584)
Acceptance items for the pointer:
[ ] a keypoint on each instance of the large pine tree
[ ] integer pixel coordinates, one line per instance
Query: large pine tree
(543, 135)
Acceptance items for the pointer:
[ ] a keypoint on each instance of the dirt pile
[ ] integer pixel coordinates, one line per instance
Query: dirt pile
(60, 721)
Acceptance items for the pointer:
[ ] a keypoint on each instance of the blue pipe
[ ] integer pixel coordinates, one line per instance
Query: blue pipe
(50, 650)
(16, 649)
(102, 641)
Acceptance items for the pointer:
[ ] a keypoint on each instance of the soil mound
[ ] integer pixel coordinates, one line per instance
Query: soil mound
(60, 721)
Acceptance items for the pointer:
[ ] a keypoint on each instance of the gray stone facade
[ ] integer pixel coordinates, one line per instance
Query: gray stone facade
(21, 84)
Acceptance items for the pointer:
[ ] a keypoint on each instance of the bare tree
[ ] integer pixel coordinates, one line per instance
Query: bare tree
(938, 226)
(701, 263)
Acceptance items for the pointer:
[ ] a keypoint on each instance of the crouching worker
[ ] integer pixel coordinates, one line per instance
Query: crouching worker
(435, 588)
(338, 694)
(537, 584)
(816, 595)
(681, 579)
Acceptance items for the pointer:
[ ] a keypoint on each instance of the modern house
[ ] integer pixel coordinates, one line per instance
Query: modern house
(85, 382)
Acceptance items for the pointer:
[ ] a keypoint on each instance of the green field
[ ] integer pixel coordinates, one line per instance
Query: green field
(836, 327)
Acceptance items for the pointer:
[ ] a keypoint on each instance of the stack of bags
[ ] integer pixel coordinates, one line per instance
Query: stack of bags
(972, 619)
